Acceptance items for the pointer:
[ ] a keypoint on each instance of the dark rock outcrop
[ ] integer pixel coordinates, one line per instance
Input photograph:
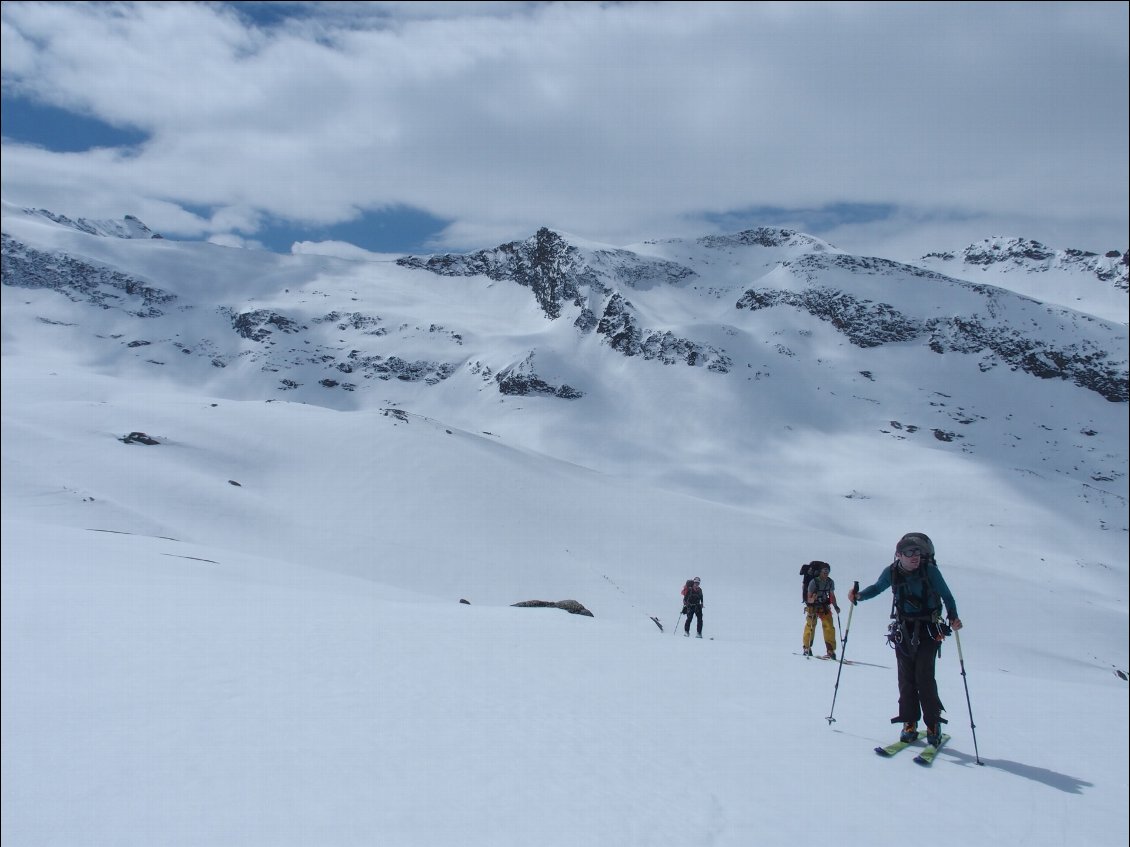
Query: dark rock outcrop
(869, 324)
(138, 438)
(79, 280)
(559, 273)
(570, 606)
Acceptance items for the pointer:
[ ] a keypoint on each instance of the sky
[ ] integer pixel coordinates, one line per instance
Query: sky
(891, 129)
(252, 633)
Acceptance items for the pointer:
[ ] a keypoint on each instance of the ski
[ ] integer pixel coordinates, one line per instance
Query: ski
(892, 749)
(926, 757)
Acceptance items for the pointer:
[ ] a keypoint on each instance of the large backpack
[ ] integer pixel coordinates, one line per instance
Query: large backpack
(809, 572)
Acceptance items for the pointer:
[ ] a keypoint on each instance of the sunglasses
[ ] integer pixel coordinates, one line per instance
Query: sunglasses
(910, 552)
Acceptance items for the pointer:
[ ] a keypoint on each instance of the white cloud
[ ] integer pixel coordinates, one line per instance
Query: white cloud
(617, 122)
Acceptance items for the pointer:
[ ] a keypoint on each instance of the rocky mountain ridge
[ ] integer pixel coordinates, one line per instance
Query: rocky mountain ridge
(684, 360)
(595, 289)
(128, 227)
(1028, 256)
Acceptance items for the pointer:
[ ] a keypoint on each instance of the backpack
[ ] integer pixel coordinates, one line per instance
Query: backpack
(809, 572)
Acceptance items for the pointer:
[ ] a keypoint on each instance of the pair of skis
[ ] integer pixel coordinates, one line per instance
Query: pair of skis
(827, 659)
(925, 758)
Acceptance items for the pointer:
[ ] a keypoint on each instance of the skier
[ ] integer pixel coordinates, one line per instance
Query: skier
(916, 631)
(820, 599)
(692, 604)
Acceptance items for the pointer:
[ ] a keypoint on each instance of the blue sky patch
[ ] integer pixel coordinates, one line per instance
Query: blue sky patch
(60, 130)
(398, 229)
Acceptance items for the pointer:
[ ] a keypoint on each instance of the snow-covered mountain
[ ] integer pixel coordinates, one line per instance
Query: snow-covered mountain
(702, 366)
(1079, 279)
(243, 495)
(128, 227)
(742, 319)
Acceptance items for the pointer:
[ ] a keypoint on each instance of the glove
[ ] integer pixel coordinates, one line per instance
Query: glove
(684, 611)
(853, 596)
(955, 623)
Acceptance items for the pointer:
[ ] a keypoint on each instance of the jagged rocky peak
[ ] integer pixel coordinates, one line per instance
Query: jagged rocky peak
(127, 227)
(546, 263)
(556, 269)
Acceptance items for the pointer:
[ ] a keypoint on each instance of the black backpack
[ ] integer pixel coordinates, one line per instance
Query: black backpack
(809, 572)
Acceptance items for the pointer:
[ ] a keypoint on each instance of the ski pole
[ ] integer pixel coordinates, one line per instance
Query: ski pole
(843, 649)
(972, 726)
(675, 631)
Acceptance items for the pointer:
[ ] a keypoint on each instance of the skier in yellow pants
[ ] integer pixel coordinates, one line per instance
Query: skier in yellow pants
(820, 599)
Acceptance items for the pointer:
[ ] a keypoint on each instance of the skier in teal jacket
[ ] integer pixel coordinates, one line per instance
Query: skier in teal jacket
(917, 630)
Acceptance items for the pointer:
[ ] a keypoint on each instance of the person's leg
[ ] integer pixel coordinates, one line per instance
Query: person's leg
(829, 632)
(909, 709)
(927, 683)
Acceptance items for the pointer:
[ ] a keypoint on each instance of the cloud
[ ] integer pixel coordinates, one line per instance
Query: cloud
(615, 122)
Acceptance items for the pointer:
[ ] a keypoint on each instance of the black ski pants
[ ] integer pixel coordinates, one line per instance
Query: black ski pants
(918, 688)
(691, 612)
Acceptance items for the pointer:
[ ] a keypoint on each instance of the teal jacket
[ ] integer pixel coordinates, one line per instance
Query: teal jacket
(918, 593)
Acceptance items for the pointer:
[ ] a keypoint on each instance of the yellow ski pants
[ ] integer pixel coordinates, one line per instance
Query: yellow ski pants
(824, 613)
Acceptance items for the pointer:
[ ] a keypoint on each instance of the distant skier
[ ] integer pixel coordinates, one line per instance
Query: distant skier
(692, 604)
(917, 630)
(820, 599)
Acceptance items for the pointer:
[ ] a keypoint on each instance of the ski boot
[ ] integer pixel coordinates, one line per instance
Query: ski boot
(909, 732)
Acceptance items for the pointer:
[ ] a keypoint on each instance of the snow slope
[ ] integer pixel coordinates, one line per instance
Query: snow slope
(250, 633)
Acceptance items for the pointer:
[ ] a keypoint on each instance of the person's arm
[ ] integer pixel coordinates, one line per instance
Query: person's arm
(939, 583)
(880, 585)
